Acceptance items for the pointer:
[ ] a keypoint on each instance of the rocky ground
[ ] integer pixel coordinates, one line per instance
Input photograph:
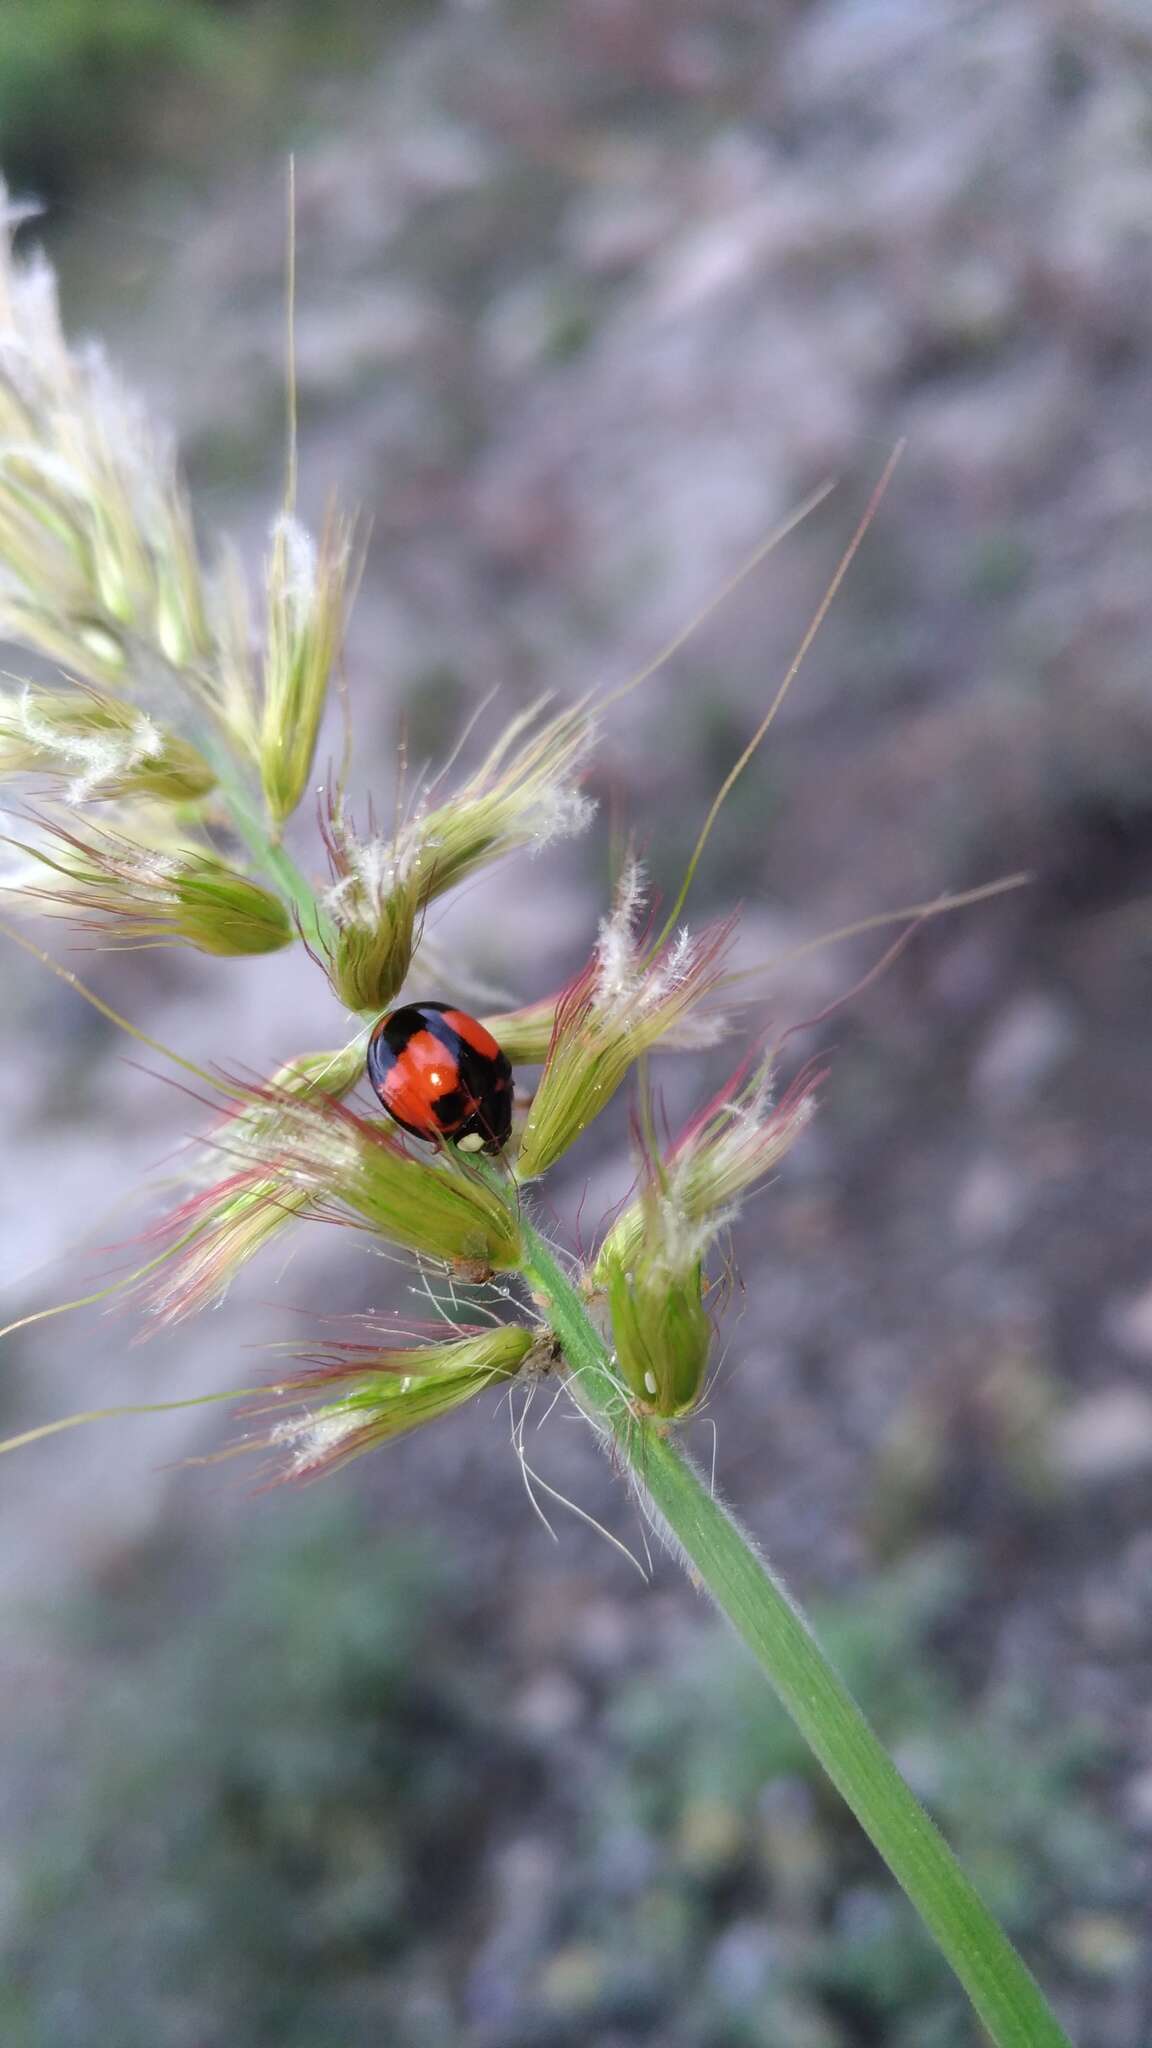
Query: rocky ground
(587, 301)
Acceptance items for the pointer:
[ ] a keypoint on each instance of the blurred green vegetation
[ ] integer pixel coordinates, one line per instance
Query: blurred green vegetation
(281, 1811)
(73, 73)
(86, 86)
(826, 1951)
(272, 1804)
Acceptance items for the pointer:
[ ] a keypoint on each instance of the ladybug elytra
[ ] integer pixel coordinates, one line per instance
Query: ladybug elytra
(440, 1074)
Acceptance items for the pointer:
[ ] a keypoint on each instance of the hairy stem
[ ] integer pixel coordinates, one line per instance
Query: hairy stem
(1001, 1988)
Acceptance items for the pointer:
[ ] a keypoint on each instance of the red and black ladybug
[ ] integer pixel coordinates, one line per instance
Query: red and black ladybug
(441, 1075)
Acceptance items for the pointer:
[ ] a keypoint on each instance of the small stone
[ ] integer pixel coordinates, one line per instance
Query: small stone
(1129, 1324)
(1111, 1624)
(712, 261)
(603, 1634)
(539, 319)
(344, 345)
(743, 1963)
(551, 1705)
(792, 1846)
(1102, 1943)
(1106, 1436)
(989, 1202)
(608, 234)
(712, 1836)
(975, 303)
(864, 1913)
(1138, 1800)
(626, 1859)
(1028, 1041)
(573, 1979)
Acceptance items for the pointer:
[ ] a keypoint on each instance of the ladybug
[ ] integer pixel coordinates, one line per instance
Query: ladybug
(441, 1075)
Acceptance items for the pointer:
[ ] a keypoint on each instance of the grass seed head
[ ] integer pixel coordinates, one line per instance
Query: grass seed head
(660, 1327)
(373, 904)
(355, 1169)
(97, 746)
(135, 894)
(210, 1238)
(214, 1234)
(525, 794)
(375, 1394)
(626, 1001)
(305, 587)
(99, 571)
(731, 1147)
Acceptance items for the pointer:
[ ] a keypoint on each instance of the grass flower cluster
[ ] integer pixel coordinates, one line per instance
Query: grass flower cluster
(171, 761)
(360, 1395)
(96, 745)
(629, 1000)
(139, 891)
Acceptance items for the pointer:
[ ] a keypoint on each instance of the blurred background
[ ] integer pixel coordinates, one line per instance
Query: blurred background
(589, 295)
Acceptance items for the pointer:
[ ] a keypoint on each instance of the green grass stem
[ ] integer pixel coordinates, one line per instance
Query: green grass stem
(718, 1555)
(725, 1563)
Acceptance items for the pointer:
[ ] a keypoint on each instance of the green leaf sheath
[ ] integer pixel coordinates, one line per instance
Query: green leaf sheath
(1003, 1991)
